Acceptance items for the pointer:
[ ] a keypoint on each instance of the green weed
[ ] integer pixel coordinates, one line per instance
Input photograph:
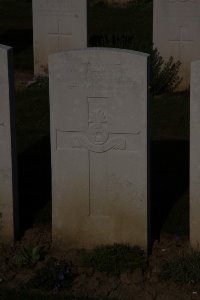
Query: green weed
(115, 259)
(164, 75)
(53, 276)
(184, 269)
(29, 256)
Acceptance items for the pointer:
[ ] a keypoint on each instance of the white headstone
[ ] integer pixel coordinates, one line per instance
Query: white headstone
(58, 25)
(8, 176)
(99, 143)
(176, 29)
(195, 155)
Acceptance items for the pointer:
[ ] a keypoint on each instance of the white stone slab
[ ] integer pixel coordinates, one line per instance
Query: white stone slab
(58, 25)
(8, 176)
(195, 155)
(98, 109)
(176, 29)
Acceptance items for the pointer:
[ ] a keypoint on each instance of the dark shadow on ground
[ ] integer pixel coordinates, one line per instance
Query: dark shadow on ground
(169, 181)
(34, 167)
(18, 39)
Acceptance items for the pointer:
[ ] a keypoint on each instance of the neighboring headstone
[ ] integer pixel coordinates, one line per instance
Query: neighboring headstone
(8, 172)
(176, 32)
(195, 154)
(58, 25)
(99, 143)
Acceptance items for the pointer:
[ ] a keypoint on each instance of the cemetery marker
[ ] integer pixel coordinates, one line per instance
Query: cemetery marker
(8, 170)
(176, 33)
(99, 143)
(58, 25)
(194, 155)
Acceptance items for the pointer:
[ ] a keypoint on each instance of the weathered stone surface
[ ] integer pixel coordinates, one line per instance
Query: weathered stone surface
(111, 2)
(195, 155)
(58, 25)
(8, 176)
(98, 108)
(176, 32)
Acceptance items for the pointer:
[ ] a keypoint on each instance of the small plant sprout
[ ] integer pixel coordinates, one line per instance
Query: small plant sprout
(29, 256)
(53, 276)
(115, 259)
(185, 269)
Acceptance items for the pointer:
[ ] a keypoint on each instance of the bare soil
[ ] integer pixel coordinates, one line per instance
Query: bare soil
(88, 282)
(23, 79)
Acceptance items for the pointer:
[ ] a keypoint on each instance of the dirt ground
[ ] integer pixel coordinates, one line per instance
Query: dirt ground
(88, 282)
(23, 79)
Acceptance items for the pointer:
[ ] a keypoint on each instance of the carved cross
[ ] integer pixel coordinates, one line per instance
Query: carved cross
(98, 141)
(181, 41)
(59, 35)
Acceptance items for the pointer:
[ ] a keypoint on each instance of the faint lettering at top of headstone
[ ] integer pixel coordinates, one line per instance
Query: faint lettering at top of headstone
(59, 8)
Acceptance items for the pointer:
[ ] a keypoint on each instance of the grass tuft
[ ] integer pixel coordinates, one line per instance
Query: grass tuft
(53, 276)
(184, 269)
(115, 259)
(29, 256)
